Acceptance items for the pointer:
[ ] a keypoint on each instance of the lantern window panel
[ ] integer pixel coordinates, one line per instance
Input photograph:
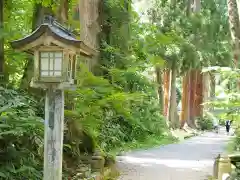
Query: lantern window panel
(44, 55)
(58, 64)
(58, 55)
(44, 64)
(44, 73)
(51, 64)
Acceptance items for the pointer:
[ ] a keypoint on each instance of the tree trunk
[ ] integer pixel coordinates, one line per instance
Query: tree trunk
(159, 87)
(185, 101)
(172, 109)
(89, 20)
(38, 15)
(192, 83)
(233, 19)
(90, 26)
(206, 90)
(2, 63)
(188, 87)
(166, 79)
(198, 99)
(197, 6)
(238, 10)
(62, 15)
(212, 88)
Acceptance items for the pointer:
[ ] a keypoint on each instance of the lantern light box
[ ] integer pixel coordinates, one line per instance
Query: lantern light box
(55, 51)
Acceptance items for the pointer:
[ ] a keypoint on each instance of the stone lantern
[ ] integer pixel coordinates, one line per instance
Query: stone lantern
(55, 52)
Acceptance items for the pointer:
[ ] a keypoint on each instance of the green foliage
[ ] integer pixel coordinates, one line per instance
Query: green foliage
(21, 133)
(236, 141)
(227, 101)
(235, 175)
(115, 105)
(198, 39)
(121, 105)
(205, 123)
(113, 116)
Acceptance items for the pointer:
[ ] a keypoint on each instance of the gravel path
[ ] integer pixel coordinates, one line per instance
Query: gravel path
(191, 159)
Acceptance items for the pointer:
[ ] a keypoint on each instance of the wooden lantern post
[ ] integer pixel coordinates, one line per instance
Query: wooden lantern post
(55, 50)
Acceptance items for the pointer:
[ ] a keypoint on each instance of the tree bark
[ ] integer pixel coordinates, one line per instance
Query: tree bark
(166, 79)
(238, 9)
(89, 20)
(197, 6)
(212, 87)
(192, 82)
(186, 96)
(172, 108)
(234, 24)
(185, 101)
(196, 94)
(90, 26)
(206, 90)
(188, 7)
(62, 15)
(198, 99)
(159, 88)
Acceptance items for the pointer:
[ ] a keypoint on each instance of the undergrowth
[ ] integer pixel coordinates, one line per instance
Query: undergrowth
(113, 117)
(21, 132)
(206, 122)
(105, 117)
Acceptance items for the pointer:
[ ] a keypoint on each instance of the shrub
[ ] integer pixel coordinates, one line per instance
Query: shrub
(114, 115)
(21, 134)
(204, 123)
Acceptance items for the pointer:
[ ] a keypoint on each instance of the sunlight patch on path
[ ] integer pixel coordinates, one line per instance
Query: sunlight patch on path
(172, 163)
(191, 159)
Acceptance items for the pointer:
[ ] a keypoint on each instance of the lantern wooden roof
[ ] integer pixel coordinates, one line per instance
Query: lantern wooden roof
(51, 33)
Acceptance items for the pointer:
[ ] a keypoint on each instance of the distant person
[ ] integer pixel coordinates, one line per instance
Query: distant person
(228, 125)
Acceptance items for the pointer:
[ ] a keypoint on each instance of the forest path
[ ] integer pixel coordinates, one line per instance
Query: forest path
(191, 159)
